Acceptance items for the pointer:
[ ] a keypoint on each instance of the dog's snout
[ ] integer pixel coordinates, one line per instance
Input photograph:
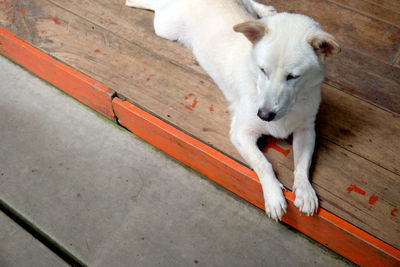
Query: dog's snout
(265, 114)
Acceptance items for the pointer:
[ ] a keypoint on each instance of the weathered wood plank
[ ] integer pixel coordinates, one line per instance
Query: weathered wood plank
(366, 77)
(360, 127)
(389, 4)
(140, 24)
(351, 71)
(361, 33)
(378, 11)
(161, 86)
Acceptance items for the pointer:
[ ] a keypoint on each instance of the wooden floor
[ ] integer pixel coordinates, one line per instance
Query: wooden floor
(356, 167)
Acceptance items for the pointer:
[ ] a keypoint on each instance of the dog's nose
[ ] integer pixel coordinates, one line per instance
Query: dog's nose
(265, 114)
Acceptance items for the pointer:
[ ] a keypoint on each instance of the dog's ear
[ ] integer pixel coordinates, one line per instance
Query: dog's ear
(253, 30)
(324, 46)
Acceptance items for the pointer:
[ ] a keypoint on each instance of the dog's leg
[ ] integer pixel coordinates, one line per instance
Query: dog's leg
(259, 9)
(245, 141)
(303, 147)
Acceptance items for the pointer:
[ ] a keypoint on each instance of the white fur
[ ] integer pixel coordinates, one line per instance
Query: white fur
(205, 27)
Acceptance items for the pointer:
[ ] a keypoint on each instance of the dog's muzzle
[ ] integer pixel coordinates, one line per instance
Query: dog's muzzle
(265, 114)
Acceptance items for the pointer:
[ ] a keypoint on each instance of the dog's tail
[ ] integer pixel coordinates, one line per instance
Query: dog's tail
(144, 4)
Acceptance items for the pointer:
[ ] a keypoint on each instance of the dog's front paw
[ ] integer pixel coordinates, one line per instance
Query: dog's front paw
(275, 204)
(306, 199)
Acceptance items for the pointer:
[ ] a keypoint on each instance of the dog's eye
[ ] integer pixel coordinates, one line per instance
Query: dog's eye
(291, 77)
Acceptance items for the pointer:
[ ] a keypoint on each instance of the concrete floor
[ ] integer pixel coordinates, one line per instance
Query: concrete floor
(111, 199)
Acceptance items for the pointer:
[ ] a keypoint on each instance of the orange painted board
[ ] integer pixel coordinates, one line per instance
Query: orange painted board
(326, 228)
(85, 89)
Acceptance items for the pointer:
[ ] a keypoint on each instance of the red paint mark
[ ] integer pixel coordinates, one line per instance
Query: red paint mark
(356, 189)
(148, 79)
(272, 144)
(373, 199)
(56, 21)
(194, 103)
(393, 212)
(211, 108)
(22, 11)
(97, 51)
(189, 95)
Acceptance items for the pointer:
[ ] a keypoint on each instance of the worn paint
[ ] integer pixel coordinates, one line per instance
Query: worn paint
(97, 51)
(56, 21)
(393, 212)
(211, 108)
(272, 144)
(194, 103)
(22, 11)
(356, 189)
(373, 199)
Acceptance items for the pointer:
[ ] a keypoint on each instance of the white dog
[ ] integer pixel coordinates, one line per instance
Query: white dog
(270, 75)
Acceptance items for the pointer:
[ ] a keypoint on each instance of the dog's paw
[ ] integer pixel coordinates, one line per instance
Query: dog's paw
(275, 204)
(306, 199)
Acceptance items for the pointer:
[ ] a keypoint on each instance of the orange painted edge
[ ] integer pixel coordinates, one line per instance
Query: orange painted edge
(85, 89)
(326, 228)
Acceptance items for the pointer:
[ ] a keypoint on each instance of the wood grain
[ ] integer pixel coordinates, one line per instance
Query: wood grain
(142, 21)
(365, 77)
(353, 71)
(158, 84)
(388, 14)
(360, 32)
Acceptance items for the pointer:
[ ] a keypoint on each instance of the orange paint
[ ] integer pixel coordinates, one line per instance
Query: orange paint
(356, 189)
(393, 212)
(85, 89)
(189, 95)
(373, 199)
(97, 51)
(194, 103)
(148, 79)
(22, 11)
(272, 144)
(211, 108)
(56, 21)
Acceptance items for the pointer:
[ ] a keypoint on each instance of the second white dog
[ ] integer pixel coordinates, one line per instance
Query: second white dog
(270, 74)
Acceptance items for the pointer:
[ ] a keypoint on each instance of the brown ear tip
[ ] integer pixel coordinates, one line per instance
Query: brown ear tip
(239, 27)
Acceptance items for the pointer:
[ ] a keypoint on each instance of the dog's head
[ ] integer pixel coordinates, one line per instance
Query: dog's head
(288, 54)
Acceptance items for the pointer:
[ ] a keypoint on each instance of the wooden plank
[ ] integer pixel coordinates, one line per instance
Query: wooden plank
(378, 11)
(142, 20)
(324, 227)
(359, 127)
(144, 76)
(389, 4)
(367, 78)
(361, 33)
(352, 71)
(90, 92)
